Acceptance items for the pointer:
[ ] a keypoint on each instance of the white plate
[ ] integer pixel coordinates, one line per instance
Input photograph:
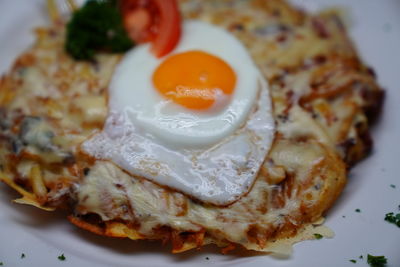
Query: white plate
(43, 236)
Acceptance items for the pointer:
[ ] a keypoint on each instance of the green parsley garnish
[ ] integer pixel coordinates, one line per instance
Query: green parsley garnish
(61, 257)
(353, 261)
(22, 255)
(376, 261)
(318, 236)
(1, 263)
(97, 26)
(395, 219)
(357, 210)
(361, 257)
(392, 186)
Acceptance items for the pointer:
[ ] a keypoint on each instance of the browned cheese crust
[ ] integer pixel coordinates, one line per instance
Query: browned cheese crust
(323, 98)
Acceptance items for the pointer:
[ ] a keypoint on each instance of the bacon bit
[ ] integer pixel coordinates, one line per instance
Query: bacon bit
(13, 162)
(25, 61)
(177, 241)
(227, 249)
(197, 238)
(257, 235)
(320, 28)
(319, 59)
(81, 155)
(262, 208)
(91, 125)
(200, 238)
(288, 229)
(276, 13)
(236, 27)
(289, 101)
(281, 38)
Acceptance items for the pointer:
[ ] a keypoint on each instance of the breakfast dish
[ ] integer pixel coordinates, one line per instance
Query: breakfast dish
(64, 145)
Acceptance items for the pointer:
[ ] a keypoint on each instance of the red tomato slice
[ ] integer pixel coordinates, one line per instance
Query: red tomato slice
(169, 30)
(155, 21)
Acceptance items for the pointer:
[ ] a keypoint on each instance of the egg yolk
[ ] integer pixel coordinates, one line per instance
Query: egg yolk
(194, 79)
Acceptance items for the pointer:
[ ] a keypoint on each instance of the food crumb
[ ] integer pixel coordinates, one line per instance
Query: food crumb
(361, 257)
(22, 255)
(357, 210)
(393, 186)
(61, 257)
(207, 258)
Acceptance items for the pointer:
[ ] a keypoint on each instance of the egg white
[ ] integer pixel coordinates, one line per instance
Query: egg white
(132, 91)
(212, 156)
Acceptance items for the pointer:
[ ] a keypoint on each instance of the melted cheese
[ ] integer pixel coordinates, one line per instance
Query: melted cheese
(302, 175)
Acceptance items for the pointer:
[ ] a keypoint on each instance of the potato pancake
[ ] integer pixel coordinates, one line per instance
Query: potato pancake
(323, 97)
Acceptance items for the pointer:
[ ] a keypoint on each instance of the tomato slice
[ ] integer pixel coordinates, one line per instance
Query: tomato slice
(155, 21)
(169, 30)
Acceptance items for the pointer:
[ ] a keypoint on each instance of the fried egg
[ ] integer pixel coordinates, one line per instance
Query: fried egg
(198, 120)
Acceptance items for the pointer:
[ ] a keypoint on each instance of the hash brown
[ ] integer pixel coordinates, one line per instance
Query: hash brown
(322, 94)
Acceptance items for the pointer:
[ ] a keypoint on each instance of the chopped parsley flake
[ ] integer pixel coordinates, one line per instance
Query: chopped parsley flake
(376, 261)
(392, 186)
(343, 216)
(353, 261)
(61, 257)
(207, 258)
(22, 255)
(1, 263)
(392, 218)
(357, 210)
(361, 257)
(318, 236)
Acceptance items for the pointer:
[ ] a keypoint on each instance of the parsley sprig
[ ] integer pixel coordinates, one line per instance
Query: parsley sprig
(318, 236)
(61, 257)
(376, 261)
(97, 26)
(392, 218)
